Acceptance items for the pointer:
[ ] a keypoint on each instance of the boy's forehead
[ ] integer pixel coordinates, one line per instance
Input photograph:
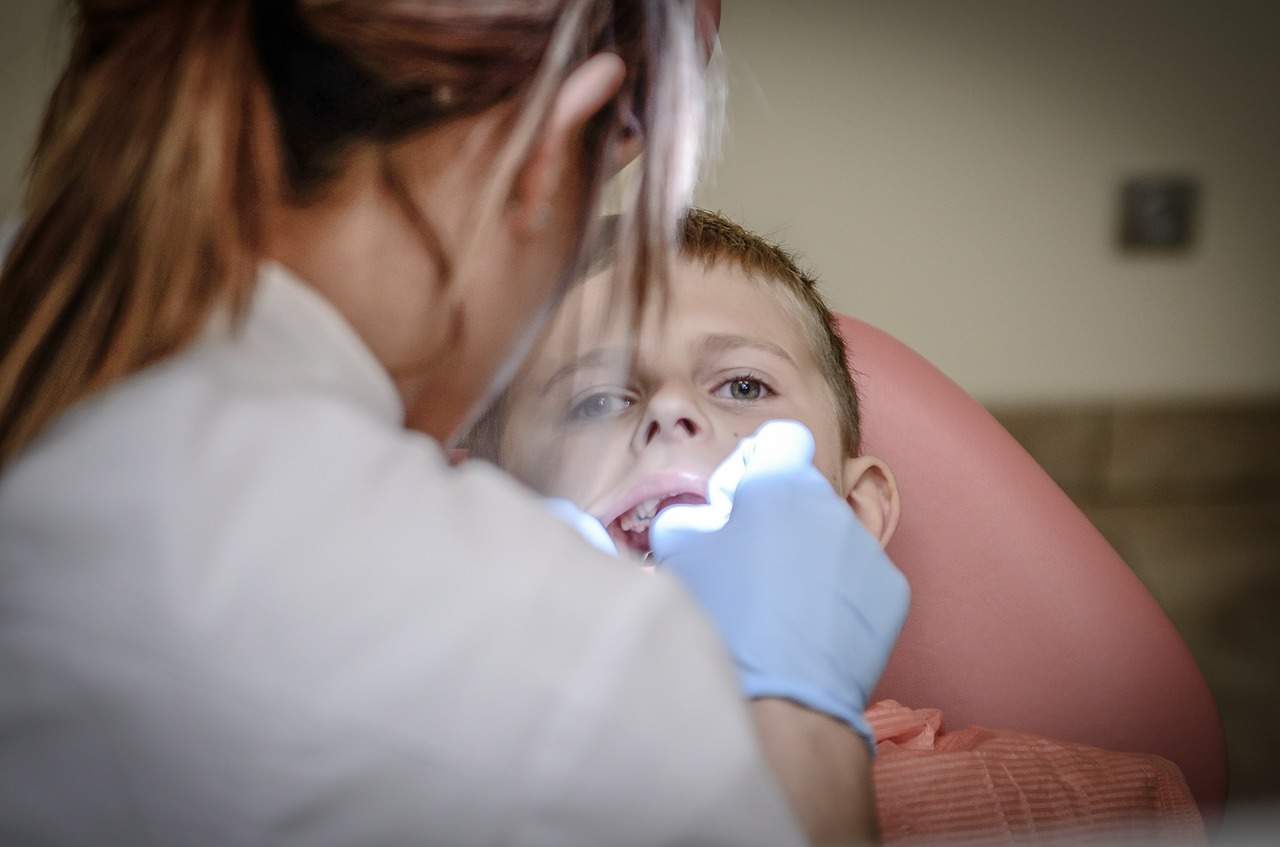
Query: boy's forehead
(719, 297)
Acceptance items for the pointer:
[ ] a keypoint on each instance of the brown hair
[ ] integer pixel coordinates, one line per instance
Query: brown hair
(712, 238)
(176, 123)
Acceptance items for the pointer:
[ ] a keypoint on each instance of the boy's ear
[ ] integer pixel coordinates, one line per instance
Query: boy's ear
(586, 91)
(872, 493)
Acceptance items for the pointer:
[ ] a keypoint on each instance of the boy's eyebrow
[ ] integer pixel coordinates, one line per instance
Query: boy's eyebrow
(598, 357)
(723, 343)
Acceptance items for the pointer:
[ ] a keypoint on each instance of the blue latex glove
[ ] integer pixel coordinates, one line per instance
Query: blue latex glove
(806, 600)
(588, 527)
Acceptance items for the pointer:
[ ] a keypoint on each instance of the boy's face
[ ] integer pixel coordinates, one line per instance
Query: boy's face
(622, 442)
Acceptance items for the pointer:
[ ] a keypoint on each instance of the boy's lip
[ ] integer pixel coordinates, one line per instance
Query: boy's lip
(668, 487)
(661, 485)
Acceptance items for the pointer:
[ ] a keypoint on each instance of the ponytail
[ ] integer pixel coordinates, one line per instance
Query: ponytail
(152, 168)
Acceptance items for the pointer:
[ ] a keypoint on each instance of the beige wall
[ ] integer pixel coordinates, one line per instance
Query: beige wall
(30, 53)
(950, 168)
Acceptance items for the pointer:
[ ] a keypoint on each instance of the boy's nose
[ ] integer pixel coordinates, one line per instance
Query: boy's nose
(672, 415)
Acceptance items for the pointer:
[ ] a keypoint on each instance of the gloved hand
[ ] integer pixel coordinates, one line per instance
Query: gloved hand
(806, 600)
(588, 527)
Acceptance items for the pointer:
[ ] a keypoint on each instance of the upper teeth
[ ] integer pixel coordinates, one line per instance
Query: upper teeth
(638, 517)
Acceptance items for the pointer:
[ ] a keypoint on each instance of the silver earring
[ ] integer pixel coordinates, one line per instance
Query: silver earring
(443, 96)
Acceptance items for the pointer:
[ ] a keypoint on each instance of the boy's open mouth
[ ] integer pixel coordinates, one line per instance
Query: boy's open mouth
(630, 530)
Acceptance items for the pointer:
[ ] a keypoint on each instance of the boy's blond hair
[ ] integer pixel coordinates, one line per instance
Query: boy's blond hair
(713, 239)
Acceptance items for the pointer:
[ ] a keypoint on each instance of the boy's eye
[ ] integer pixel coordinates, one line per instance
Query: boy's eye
(743, 388)
(601, 405)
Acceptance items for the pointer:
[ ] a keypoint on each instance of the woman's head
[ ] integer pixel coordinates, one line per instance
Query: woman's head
(186, 142)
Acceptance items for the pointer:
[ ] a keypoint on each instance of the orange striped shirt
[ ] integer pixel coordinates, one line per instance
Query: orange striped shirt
(981, 787)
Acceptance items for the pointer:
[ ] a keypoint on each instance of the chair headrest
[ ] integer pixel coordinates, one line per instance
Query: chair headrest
(1022, 617)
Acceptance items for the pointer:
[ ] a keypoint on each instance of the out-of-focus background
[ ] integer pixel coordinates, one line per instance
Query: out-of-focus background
(953, 170)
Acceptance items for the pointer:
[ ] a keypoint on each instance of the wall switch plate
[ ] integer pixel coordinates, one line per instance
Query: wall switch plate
(1159, 212)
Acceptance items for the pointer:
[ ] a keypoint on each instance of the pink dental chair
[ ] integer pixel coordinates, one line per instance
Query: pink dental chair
(1022, 616)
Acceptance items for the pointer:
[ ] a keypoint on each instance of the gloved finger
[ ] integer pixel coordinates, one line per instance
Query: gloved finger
(674, 524)
(775, 447)
(778, 447)
(588, 527)
(723, 483)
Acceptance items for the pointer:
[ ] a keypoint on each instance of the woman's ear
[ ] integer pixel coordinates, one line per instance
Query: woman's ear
(872, 493)
(552, 162)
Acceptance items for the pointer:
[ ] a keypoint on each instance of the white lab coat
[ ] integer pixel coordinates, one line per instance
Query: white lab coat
(239, 604)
